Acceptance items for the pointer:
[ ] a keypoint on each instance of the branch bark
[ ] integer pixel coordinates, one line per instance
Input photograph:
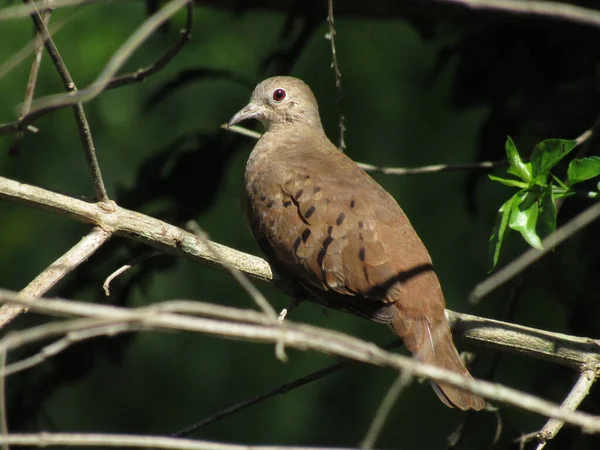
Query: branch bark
(256, 327)
(55, 272)
(559, 348)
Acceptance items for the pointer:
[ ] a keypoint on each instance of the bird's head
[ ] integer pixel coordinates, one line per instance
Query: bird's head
(280, 102)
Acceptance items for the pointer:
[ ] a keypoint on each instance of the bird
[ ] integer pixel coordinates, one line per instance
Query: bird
(326, 225)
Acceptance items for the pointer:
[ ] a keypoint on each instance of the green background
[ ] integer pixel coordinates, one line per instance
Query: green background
(418, 89)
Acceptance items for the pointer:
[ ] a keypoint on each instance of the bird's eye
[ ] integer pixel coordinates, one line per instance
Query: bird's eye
(279, 94)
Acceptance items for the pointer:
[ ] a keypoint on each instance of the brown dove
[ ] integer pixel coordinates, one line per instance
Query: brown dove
(328, 226)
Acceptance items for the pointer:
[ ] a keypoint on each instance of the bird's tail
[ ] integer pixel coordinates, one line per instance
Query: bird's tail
(434, 345)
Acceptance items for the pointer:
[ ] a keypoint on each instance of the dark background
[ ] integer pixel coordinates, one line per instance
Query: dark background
(423, 83)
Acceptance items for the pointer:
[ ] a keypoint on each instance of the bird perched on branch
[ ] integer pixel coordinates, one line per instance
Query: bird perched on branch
(328, 226)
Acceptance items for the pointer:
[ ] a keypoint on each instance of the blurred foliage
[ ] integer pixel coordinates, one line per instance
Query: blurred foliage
(419, 87)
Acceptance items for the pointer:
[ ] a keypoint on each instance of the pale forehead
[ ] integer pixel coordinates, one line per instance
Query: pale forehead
(290, 84)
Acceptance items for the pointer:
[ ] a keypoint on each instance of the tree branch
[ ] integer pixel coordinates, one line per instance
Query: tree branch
(254, 326)
(579, 392)
(131, 441)
(80, 117)
(567, 350)
(56, 271)
(483, 165)
(531, 255)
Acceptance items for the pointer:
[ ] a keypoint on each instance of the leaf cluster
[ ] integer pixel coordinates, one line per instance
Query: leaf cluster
(532, 209)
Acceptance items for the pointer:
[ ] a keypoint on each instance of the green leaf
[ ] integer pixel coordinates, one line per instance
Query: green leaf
(547, 154)
(508, 181)
(524, 216)
(583, 169)
(498, 231)
(517, 166)
(560, 182)
(547, 219)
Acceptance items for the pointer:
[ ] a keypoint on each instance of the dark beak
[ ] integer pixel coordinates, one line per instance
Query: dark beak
(249, 112)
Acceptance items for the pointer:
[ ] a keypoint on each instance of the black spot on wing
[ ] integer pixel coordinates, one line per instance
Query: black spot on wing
(306, 235)
(297, 244)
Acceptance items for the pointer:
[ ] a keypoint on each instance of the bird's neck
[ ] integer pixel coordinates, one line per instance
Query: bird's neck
(286, 143)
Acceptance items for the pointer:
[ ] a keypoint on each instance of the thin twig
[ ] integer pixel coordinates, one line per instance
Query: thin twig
(336, 69)
(238, 276)
(384, 410)
(303, 337)
(143, 257)
(434, 168)
(532, 255)
(80, 117)
(244, 282)
(185, 35)
(56, 272)
(93, 328)
(120, 57)
(21, 55)
(115, 82)
(579, 392)
(556, 10)
(241, 130)
(3, 416)
(132, 441)
(281, 389)
(483, 165)
(33, 74)
(20, 11)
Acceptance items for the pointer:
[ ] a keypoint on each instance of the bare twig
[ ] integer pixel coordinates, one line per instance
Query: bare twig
(80, 117)
(303, 337)
(33, 73)
(556, 10)
(131, 441)
(281, 389)
(53, 102)
(384, 410)
(55, 272)
(37, 58)
(238, 276)
(434, 168)
(88, 328)
(3, 417)
(21, 55)
(141, 74)
(483, 165)
(576, 396)
(336, 69)
(241, 130)
(244, 282)
(532, 255)
(125, 268)
(20, 11)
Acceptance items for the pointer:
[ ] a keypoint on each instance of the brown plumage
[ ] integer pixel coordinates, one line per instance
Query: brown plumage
(325, 223)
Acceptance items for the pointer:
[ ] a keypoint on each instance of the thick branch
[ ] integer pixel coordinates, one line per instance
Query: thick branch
(568, 350)
(253, 326)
